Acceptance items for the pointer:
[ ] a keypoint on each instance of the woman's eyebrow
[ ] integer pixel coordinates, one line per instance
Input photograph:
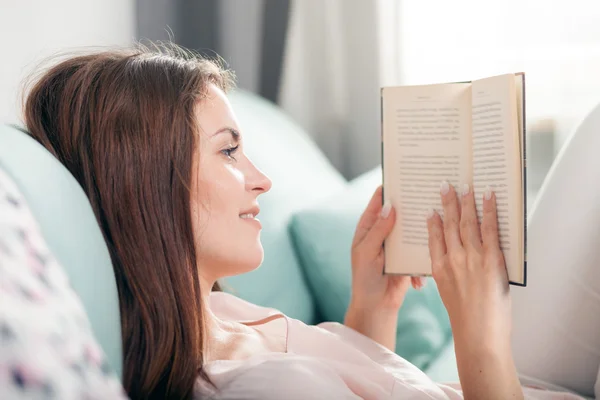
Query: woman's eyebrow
(235, 135)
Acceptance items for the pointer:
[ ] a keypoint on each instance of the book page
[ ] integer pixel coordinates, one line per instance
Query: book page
(426, 140)
(496, 161)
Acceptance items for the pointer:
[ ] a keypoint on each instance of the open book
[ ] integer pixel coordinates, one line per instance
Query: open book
(467, 132)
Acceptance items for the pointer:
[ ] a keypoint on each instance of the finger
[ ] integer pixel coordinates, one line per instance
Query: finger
(489, 223)
(399, 282)
(451, 217)
(373, 241)
(437, 243)
(379, 262)
(469, 225)
(417, 282)
(369, 216)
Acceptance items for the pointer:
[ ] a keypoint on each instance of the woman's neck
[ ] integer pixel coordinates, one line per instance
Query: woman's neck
(232, 340)
(222, 337)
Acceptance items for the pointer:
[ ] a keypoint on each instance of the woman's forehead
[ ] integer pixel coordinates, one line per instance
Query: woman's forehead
(214, 112)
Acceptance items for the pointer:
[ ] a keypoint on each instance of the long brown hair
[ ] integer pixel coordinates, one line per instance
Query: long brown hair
(123, 122)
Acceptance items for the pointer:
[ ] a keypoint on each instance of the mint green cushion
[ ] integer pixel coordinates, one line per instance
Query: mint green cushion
(323, 235)
(301, 175)
(69, 227)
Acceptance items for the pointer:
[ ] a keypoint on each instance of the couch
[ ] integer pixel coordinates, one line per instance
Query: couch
(308, 222)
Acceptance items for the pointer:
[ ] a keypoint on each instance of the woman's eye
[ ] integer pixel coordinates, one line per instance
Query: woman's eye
(230, 151)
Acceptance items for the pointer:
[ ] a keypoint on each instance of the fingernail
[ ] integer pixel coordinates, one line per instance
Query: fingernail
(385, 211)
(430, 213)
(465, 189)
(488, 193)
(444, 188)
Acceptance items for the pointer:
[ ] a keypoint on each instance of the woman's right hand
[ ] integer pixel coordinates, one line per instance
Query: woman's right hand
(469, 270)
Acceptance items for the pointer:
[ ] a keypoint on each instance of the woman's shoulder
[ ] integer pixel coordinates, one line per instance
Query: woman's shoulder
(230, 307)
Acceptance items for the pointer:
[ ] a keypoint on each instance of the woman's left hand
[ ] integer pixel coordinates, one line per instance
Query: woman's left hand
(371, 289)
(376, 297)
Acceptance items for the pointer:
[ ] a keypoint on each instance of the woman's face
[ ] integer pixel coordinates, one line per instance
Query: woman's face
(225, 196)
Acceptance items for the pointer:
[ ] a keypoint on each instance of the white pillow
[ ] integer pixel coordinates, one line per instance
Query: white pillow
(556, 318)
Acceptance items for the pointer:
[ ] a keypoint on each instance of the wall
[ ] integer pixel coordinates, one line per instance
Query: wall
(34, 29)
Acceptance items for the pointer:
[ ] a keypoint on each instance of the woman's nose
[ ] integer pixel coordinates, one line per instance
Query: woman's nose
(258, 180)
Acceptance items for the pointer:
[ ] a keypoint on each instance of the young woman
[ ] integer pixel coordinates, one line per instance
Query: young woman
(153, 141)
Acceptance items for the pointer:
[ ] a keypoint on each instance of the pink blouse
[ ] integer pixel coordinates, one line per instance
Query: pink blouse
(326, 361)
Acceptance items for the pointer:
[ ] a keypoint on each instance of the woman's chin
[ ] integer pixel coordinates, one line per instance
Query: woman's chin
(252, 260)
(245, 260)
(256, 259)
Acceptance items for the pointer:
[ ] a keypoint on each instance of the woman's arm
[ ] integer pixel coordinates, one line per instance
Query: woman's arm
(487, 371)
(469, 270)
(381, 326)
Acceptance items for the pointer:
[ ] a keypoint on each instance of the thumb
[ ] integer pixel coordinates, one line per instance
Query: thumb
(373, 241)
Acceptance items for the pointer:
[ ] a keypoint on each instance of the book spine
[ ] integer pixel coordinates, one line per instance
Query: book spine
(524, 184)
(524, 172)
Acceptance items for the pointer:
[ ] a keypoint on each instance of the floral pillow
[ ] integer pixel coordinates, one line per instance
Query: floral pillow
(47, 348)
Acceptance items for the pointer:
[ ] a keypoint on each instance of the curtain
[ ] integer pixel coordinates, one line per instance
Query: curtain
(340, 52)
(248, 34)
(332, 74)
